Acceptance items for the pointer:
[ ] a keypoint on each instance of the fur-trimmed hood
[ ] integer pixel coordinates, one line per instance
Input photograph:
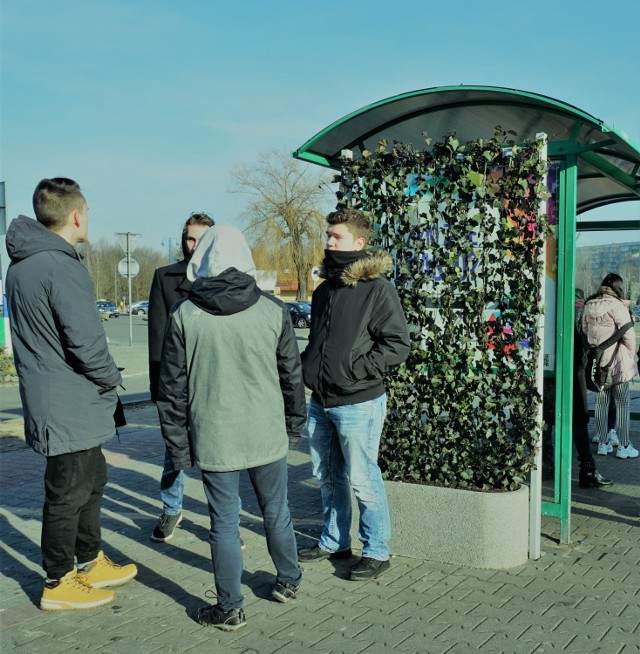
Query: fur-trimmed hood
(376, 264)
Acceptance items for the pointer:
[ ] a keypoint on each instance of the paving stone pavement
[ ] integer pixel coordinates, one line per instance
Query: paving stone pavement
(582, 597)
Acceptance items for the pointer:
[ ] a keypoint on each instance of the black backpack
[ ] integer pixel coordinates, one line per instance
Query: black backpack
(596, 376)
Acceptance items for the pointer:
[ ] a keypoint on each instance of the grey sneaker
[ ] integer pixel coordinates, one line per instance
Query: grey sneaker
(214, 616)
(604, 449)
(166, 527)
(284, 592)
(626, 452)
(612, 438)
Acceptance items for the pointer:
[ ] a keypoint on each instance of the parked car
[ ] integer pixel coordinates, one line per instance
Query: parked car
(300, 313)
(107, 309)
(140, 308)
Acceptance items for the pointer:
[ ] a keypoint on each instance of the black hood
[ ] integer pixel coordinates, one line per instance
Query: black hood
(26, 237)
(229, 292)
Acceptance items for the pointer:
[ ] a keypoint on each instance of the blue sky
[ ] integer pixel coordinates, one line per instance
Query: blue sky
(149, 104)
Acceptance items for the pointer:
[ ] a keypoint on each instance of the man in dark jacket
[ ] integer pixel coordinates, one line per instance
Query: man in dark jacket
(170, 284)
(358, 332)
(230, 397)
(67, 387)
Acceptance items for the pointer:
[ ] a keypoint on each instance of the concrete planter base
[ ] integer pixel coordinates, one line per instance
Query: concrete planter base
(448, 525)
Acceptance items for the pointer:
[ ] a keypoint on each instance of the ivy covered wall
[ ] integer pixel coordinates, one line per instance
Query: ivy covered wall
(464, 225)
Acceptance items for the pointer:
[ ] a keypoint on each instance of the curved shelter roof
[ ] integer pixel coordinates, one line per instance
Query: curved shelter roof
(608, 161)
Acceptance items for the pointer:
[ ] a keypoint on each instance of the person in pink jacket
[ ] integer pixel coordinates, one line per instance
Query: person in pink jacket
(604, 313)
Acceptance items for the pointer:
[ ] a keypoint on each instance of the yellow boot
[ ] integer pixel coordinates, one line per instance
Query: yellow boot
(73, 592)
(104, 572)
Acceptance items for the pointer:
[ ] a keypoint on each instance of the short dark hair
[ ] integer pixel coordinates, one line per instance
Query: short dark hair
(358, 224)
(54, 199)
(199, 218)
(196, 218)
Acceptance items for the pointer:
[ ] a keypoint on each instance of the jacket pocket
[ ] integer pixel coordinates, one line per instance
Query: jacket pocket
(359, 369)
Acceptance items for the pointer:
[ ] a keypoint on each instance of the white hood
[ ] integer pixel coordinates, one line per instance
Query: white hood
(221, 247)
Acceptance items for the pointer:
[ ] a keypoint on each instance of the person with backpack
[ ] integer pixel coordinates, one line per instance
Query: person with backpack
(604, 314)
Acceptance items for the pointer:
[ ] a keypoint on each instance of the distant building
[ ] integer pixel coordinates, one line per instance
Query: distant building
(593, 262)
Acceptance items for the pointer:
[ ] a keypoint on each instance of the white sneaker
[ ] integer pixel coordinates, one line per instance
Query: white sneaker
(595, 439)
(612, 437)
(605, 448)
(628, 452)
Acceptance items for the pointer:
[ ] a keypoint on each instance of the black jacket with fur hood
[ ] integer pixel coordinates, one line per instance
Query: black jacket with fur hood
(358, 331)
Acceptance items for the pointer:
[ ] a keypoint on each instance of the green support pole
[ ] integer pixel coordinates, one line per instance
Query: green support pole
(560, 507)
(564, 338)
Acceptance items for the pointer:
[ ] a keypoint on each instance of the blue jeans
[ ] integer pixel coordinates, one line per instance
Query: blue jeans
(344, 444)
(270, 485)
(171, 487)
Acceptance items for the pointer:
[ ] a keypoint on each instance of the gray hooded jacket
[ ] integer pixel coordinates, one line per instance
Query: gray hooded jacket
(67, 376)
(231, 390)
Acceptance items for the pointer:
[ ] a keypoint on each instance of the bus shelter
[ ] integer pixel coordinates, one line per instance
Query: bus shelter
(592, 165)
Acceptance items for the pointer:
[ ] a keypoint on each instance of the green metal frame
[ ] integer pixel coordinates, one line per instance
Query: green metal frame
(609, 226)
(560, 507)
(303, 152)
(567, 154)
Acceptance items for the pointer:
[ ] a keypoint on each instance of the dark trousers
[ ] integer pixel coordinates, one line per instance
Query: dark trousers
(73, 485)
(582, 442)
(270, 485)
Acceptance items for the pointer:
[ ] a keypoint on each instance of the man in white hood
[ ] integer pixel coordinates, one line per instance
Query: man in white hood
(230, 396)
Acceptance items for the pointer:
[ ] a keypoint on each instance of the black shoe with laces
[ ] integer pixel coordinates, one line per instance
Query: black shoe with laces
(368, 569)
(214, 616)
(166, 527)
(284, 592)
(316, 553)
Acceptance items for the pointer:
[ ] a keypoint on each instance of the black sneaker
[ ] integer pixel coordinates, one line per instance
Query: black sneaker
(284, 592)
(166, 527)
(214, 616)
(316, 553)
(368, 569)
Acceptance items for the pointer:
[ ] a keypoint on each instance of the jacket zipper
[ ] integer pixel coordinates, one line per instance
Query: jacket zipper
(324, 343)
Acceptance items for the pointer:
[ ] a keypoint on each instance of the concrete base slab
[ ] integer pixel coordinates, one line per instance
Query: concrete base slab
(448, 525)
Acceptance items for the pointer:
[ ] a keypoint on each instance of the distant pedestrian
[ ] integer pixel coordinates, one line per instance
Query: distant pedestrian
(68, 386)
(169, 285)
(230, 397)
(589, 477)
(604, 313)
(358, 332)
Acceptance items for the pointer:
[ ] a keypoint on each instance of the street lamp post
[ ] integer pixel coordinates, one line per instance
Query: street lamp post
(127, 242)
(171, 243)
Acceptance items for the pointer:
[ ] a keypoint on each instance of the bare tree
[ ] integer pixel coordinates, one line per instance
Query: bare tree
(584, 274)
(285, 214)
(101, 260)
